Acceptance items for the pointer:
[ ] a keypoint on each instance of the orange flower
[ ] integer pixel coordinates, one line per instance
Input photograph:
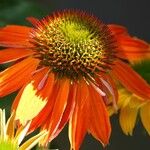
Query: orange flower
(65, 68)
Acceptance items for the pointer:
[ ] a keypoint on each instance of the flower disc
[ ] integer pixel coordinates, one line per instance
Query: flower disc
(74, 44)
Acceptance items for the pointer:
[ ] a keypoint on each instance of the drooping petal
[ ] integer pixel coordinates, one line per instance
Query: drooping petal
(60, 102)
(66, 115)
(43, 114)
(69, 109)
(82, 92)
(117, 29)
(127, 119)
(31, 98)
(133, 49)
(131, 80)
(47, 111)
(145, 116)
(78, 123)
(15, 36)
(16, 76)
(130, 48)
(100, 126)
(78, 127)
(12, 54)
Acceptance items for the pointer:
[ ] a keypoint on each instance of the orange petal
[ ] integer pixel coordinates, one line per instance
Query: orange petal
(32, 98)
(100, 126)
(69, 109)
(82, 86)
(43, 115)
(34, 21)
(131, 80)
(78, 124)
(12, 54)
(16, 76)
(133, 49)
(61, 99)
(117, 29)
(15, 36)
(66, 115)
(130, 48)
(16, 29)
(47, 111)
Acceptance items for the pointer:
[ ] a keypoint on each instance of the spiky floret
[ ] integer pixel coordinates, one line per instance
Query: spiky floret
(73, 44)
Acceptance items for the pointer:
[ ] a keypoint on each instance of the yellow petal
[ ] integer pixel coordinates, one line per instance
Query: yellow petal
(10, 126)
(128, 119)
(33, 141)
(136, 102)
(145, 117)
(21, 133)
(30, 104)
(33, 96)
(2, 124)
(124, 98)
(111, 110)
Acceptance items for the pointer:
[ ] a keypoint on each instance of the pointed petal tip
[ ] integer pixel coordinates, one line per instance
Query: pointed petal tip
(131, 80)
(145, 117)
(33, 20)
(99, 116)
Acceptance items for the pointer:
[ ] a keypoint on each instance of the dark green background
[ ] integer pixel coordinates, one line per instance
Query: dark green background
(134, 14)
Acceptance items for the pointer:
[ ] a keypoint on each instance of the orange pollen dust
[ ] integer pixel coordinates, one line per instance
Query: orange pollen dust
(74, 44)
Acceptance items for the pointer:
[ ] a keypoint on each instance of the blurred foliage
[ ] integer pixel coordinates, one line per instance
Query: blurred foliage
(15, 11)
(143, 68)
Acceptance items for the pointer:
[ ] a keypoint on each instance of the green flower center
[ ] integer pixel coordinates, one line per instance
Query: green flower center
(74, 44)
(75, 32)
(8, 145)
